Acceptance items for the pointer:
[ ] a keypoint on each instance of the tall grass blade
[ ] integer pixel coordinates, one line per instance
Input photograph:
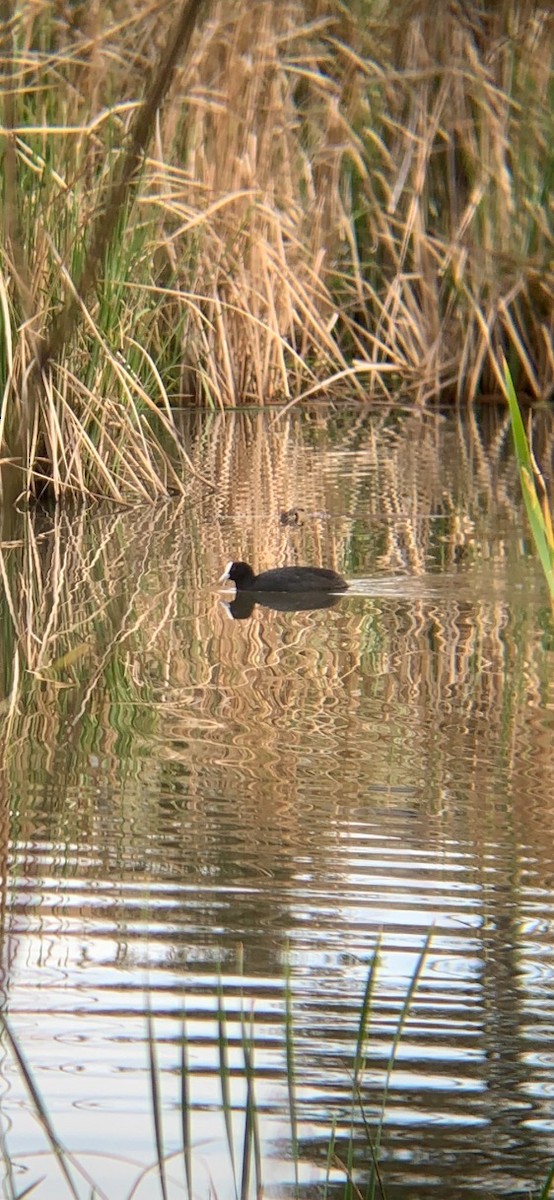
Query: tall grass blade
(404, 1013)
(33, 1187)
(365, 1013)
(359, 1064)
(156, 1101)
(61, 1155)
(351, 1185)
(246, 1148)
(291, 1070)
(546, 1190)
(112, 205)
(224, 1076)
(186, 1107)
(251, 1145)
(330, 1159)
(539, 515)
(5, 1159)
(375, 1173)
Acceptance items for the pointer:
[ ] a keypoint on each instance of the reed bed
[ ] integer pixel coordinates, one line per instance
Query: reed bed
(347, 201)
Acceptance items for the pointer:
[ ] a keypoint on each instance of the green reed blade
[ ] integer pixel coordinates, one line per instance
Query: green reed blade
(539, 520)
(186, 1107)
(62, 1156)
(546, 1190)
(291, 1071)
(31, 1188)
(156, 1103)
(330, 1159)
(375, 1173)
(365, 1013)
(224, 1077)
(359, 1066)
(251, 1127)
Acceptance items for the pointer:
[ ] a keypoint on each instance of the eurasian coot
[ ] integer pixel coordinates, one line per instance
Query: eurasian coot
(283, 579)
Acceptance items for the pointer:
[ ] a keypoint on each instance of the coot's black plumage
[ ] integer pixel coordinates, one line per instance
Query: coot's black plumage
(284, 579)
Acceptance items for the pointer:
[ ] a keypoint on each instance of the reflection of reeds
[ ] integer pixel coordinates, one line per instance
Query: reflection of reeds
(113, 626)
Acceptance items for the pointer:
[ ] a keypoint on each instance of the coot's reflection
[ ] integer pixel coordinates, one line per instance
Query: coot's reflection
(244, 603)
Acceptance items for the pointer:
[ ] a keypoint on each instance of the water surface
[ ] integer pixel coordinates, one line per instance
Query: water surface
(196, 807)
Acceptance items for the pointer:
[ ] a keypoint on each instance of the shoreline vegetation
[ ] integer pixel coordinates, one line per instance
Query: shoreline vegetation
(229, 204)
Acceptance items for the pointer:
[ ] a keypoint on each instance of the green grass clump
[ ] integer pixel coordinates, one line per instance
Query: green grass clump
(533, 488)
(246, 1153)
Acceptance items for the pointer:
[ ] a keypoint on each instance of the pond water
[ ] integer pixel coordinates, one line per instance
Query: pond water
(219, 822)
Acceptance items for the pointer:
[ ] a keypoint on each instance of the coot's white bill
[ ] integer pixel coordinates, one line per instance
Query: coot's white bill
(224, 578)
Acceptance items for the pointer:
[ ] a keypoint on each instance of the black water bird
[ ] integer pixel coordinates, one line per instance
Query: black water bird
(284, 579)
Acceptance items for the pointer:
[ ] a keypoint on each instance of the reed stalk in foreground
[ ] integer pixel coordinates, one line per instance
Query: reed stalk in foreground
(369, 1182)
(42, 444)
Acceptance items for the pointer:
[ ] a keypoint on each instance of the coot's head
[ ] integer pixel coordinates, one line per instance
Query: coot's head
(240, 573)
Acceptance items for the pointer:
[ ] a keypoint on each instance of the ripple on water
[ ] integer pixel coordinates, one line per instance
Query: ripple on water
(291, 794)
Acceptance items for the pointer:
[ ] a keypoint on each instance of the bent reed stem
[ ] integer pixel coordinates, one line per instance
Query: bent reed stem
(120, 189)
